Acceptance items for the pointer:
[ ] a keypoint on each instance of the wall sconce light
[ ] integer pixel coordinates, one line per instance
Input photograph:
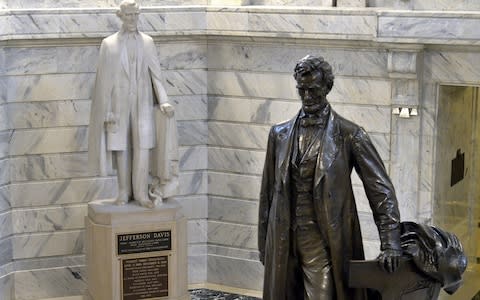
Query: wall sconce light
(405, 112)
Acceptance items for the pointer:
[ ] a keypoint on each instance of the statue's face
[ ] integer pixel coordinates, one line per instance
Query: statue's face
(312, 93)
(129, 17)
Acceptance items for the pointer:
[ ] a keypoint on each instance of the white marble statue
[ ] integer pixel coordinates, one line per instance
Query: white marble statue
(132, 125)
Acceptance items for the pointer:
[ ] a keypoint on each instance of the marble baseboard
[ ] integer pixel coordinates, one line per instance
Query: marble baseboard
(231, 272)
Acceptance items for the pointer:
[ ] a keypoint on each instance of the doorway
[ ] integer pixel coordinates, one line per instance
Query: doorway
(457, 166)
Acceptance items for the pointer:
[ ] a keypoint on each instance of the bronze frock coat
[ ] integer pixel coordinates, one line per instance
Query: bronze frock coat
(345, 146)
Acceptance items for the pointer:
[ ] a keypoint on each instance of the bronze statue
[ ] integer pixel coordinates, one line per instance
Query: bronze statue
(308, 224)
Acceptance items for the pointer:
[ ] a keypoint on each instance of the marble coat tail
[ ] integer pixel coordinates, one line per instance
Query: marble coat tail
(111, 89)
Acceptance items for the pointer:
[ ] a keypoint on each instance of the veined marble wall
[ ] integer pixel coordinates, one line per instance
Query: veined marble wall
(229, 73)
(6, 253)
(49, 91)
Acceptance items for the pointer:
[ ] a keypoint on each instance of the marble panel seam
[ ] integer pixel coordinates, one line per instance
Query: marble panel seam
(232, 257)
(228, 222)
(49, 233)
(233, 198)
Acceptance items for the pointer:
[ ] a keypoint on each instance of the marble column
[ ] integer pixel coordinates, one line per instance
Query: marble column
(405, 72)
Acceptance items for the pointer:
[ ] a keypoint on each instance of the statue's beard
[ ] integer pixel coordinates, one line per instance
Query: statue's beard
(312, 107)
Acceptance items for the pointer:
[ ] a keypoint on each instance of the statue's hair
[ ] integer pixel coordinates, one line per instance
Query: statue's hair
(128, 3)
(311, 64)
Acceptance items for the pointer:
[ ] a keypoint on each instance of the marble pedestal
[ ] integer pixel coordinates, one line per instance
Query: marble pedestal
(136, 253)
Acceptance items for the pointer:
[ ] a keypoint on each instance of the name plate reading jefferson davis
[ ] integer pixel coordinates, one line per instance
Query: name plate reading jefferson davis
(144, 242)
(145, 278)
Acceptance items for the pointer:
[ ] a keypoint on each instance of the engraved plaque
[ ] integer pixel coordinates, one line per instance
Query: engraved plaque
(144, 242)
(145, 278)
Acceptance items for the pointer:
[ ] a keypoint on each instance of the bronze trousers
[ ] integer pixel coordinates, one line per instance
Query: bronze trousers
(312, 263)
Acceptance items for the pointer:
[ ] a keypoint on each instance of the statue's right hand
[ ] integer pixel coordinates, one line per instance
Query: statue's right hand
(110, 118)
(111, 122)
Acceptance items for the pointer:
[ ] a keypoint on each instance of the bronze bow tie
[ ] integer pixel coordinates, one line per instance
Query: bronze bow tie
(312, 121)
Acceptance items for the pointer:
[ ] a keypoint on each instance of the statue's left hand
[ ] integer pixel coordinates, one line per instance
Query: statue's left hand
(167, 109)
(389, 260)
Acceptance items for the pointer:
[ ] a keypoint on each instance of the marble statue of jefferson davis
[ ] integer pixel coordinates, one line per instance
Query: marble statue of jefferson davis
(308, 223)
(131, 121)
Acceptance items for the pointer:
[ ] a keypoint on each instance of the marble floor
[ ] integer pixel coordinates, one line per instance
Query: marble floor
(197, 294)
(205, 294)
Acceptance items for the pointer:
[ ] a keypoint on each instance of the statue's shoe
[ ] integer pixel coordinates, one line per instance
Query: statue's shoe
(122, 198)
(146, 203)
